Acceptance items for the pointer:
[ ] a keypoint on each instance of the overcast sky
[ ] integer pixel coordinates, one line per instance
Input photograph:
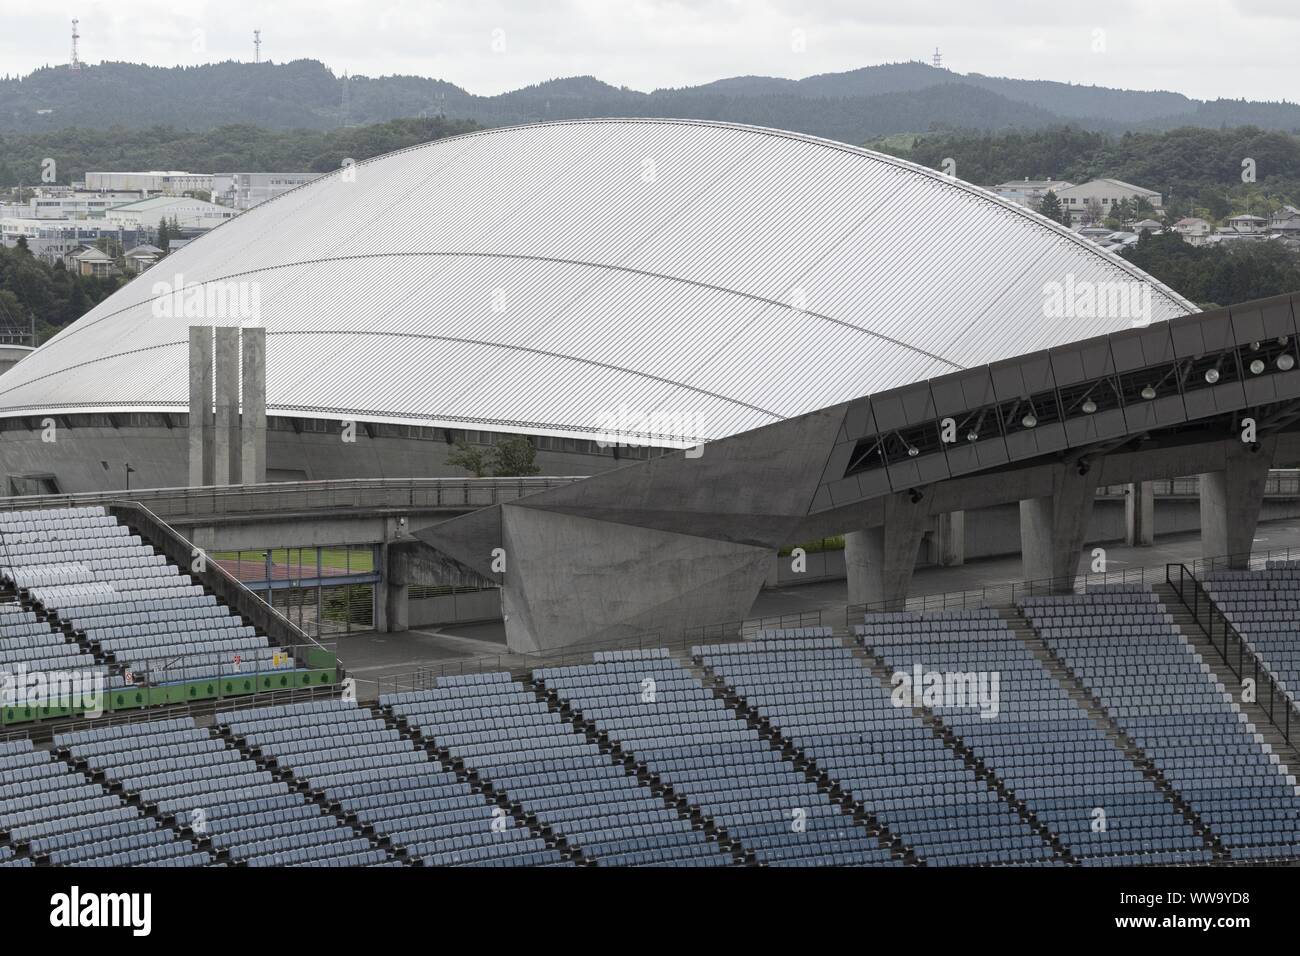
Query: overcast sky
(1204, 48)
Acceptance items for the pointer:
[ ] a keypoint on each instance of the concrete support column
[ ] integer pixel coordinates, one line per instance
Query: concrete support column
(252, 421)
(1140, 515)
(1053, 528)
(950, 539)
(201, 463)
(1230, 502)
(226, 445)
(880, 561)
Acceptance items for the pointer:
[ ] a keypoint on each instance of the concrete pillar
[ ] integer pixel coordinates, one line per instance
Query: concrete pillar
(201, 470)
(950, 539)
(397, 609)
(1230, 502)
(1053, 528)
(252, 421)
(1140, 515)
(226, 445)
(880, 561)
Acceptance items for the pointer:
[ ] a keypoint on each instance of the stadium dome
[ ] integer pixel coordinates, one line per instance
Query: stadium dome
(690, 280)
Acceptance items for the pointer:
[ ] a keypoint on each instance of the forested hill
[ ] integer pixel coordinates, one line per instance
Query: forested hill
(852, 106)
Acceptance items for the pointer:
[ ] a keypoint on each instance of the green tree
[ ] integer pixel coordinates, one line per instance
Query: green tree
(514, 457)
(1050, 206)
(164, 235)
(470, 457)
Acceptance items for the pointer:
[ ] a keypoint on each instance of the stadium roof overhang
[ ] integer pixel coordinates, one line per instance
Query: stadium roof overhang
(1168, 398)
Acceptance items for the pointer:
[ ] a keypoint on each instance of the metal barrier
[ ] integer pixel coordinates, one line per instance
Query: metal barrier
(1008, 593)
(286, 497)
(1227, 640)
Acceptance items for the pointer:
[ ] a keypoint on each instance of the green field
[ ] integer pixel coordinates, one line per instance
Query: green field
(352, 560)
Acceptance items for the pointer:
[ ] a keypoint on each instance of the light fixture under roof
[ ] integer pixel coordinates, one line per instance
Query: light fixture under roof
(1257, 367)
(1148, 393)
(1030, 420)
(1088, 406)
(913, 451)
(1286, 361)
(1212, 375)
(972, 435)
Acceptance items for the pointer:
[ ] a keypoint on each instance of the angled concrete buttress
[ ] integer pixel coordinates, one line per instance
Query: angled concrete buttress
(1231, 499)
(663, 545)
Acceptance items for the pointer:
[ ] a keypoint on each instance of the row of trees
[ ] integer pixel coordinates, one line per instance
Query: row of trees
(1212, 173)
(48, 294)
(509, 458)
(1213, 276)
(238, 148)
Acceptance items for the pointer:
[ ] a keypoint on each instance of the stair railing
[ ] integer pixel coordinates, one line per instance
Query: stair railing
(1232, 647)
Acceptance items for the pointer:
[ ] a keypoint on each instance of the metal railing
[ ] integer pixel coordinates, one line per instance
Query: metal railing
(181, 552)
(1278, 484)
(1008, 593)
(520, 662)
(287, 497)
(1227, 640)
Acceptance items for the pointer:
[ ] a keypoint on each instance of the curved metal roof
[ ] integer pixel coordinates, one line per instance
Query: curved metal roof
(556, 278)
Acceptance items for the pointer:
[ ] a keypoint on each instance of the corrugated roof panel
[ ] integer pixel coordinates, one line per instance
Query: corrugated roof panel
(545, 278)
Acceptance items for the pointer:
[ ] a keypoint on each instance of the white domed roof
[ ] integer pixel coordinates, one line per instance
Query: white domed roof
(710, 278)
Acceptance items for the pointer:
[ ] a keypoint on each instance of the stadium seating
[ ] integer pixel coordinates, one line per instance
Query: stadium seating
(386, 782)
(134, 608)
(59, 815)
(829, 706)
(1121, 643)
(500, 729)
(1039, 742)
(29, 646)
(193, 777)
(655, 709)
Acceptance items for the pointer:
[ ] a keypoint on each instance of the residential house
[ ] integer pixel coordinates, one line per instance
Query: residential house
(1194, 231)
(142, 257)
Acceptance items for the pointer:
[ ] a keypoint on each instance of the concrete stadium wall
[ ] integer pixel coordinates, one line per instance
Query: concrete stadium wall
(160, 457)
(463, 608)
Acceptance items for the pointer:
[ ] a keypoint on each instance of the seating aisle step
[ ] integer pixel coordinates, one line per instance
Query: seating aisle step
(235, 742)
(838, 795)
(1090, 705)
(953, 741)
(628, 763)
(492, 794)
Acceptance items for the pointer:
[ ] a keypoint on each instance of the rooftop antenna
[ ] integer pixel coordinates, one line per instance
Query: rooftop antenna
(76, 61)
(257, 46)
(937, 60)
